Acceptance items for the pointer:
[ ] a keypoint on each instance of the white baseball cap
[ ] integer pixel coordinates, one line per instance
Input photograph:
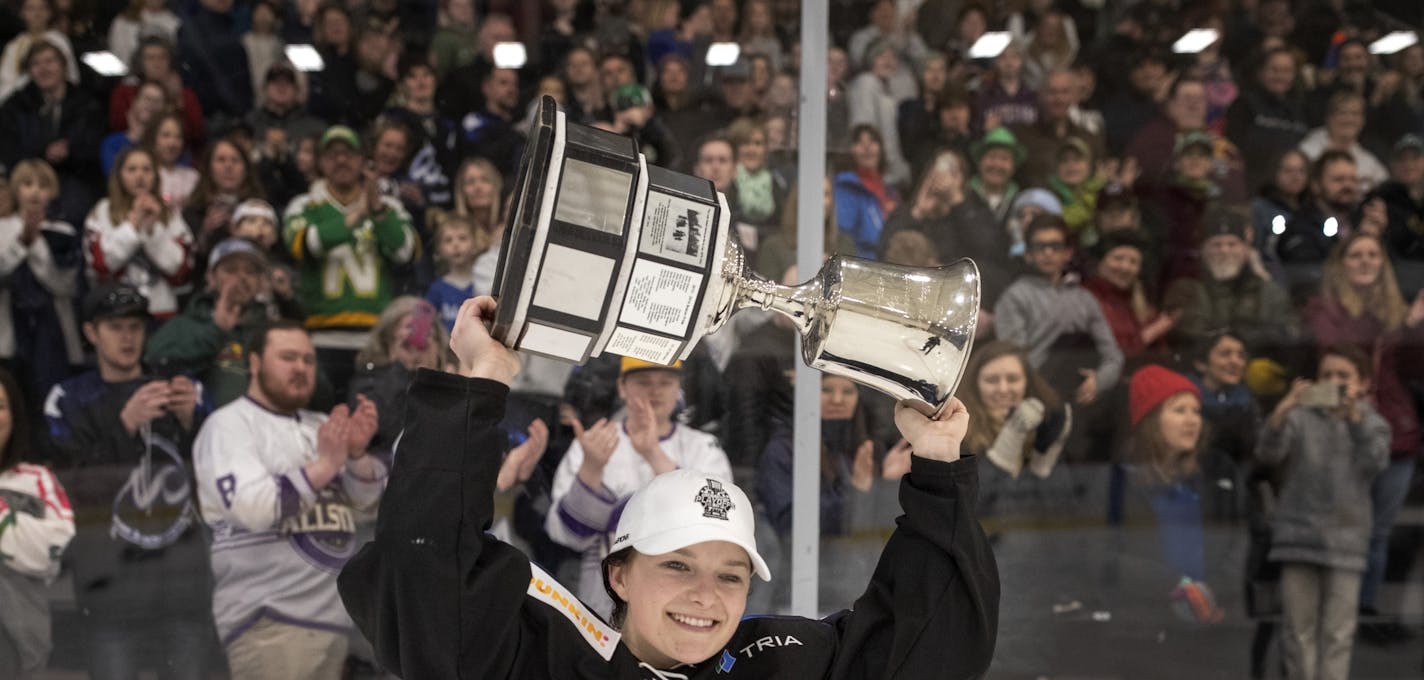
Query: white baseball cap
(685, 507)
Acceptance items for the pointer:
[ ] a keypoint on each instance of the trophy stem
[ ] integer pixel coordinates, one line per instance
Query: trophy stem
(743, 288)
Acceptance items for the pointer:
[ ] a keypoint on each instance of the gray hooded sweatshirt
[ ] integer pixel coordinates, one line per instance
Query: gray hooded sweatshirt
(1323, 516)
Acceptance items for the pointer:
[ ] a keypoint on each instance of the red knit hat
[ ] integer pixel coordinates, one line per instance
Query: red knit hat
(1153, 385)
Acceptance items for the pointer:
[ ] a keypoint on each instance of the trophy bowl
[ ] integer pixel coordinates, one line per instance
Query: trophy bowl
(604, 253)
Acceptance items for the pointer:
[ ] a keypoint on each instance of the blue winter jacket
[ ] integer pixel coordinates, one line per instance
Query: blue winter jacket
(858, 213)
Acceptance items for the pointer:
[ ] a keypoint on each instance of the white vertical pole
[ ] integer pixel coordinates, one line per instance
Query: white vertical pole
(810, 176)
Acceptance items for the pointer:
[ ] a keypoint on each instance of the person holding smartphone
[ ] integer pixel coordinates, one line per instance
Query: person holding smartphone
(1332, 443)
(120, 441)
(438, 597)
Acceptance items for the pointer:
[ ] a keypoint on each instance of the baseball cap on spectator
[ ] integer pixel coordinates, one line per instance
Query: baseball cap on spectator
(254, 207)
(1074, 144)
(1225, 220)
(630, 96)
(1153, 385)
(741, 69)
(1115, 196)
(631, 365)
(1000, 137)
(1194, 139)
(281, 71)
(236, 247)
(1409, 142)
(1042, 198)
(339, 134)
(114, 300)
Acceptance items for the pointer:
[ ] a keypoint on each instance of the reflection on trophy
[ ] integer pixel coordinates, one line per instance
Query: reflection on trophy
(604, 253)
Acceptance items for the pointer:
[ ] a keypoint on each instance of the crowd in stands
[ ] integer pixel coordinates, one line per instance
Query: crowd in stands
(1202, 275)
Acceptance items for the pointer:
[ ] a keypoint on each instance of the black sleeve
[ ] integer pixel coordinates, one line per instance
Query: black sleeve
(436, 596)
(932, 607)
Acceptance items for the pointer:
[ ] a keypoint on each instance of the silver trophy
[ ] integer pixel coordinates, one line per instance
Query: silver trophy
(604, 253)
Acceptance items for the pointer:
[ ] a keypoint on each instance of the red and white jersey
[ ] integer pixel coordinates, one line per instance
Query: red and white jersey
(155, 262)
(36, 521)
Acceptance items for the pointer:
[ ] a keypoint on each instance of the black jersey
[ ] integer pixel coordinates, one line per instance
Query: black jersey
(440, 598)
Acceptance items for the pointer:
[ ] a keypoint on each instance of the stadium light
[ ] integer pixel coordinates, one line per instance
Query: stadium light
(990, 45)
(305, 58)
(1397, 41)
(510, 55)
(723, 53)
(1195, 41)
(105, 63)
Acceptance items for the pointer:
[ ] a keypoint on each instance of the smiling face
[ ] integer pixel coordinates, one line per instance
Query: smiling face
(996, 166)
(751, 153)
(1003, 384)
(683, 606)
(1225, 363)
(1181, 421)
(388, 153)
(1120, 266)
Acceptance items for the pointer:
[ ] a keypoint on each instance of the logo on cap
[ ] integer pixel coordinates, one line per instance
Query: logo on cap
(714, 499)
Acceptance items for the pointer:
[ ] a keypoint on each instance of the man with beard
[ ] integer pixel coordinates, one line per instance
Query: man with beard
(1403, 196)
(208, 337)
(281, 488)
(1335, 213)
(1230, 293)
(347, 238)
(120, 440)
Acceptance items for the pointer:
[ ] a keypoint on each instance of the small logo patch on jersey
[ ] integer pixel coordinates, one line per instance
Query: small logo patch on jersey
(727, 662)
(715, 500)
(599, 635)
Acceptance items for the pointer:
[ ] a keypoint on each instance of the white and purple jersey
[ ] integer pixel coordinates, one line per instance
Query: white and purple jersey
(278, 543)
